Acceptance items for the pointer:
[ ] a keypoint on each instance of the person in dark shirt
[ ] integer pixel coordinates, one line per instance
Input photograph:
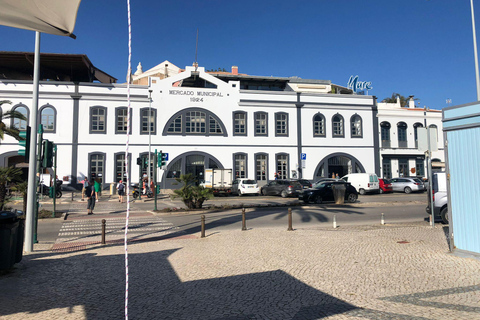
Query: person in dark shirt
(90, 194)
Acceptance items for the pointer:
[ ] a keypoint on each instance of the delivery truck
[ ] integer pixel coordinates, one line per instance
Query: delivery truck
(219, 180)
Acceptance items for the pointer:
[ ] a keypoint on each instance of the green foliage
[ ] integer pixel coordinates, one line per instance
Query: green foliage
(7, 129)
(22, 189)
(8, 176)
(193, 196)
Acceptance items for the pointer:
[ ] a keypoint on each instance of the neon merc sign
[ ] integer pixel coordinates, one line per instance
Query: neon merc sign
(358, 86)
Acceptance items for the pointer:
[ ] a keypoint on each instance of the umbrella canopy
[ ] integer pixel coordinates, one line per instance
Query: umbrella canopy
(46, 16)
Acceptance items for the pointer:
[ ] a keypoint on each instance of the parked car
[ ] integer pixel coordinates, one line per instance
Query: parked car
(305, 183)
(363, 182)
(323, 191)
(440, 199)
(385, 185)
(282, 188)
(245, 186)
(407, 185)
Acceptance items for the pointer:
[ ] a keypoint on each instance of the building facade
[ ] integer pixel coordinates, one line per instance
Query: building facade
(258, 126)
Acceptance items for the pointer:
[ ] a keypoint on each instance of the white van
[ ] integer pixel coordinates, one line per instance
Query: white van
(363, 182)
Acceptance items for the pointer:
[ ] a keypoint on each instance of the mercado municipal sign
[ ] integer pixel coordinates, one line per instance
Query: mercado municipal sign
(358, 86)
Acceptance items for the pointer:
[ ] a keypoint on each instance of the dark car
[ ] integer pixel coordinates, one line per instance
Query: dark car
(323, 191)
(385, 185)
(305, 183)
(282, 188)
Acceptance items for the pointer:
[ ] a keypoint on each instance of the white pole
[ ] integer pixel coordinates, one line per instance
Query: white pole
(475, 52)
(32, 157)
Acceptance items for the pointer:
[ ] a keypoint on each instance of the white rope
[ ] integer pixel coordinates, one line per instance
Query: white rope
(126, 155)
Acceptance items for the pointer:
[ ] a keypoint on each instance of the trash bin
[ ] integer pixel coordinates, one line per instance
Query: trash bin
(339, 193)
(12, 231)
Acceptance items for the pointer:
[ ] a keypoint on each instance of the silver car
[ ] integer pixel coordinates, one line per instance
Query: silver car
(407, 185)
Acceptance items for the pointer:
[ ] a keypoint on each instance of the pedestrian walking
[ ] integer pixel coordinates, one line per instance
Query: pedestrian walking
(121, 191)
(84, 183)
(145, 186)
(98, 188)
(90, 194)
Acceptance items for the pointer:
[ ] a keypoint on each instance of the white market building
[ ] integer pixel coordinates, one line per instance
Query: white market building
(254, 125)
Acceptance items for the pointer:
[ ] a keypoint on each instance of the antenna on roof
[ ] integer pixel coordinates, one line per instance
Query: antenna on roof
(196, 52)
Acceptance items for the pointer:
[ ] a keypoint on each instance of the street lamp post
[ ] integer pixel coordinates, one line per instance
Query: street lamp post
(149, 136)
(475, 52)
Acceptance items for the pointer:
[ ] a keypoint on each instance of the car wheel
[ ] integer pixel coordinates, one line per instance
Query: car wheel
(264, 192)
(444, 215)
(239, 193)
(352, 197)
(361, 191)
(318, 200)
(408, 190)
(381, 190)
(284, 194)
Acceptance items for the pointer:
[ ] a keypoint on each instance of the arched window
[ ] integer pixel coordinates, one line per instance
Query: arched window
(261, 166)
(48, 116)
(319, 125)
(148, 121)
(18, 123)
(435, 129)
(385, 134)
(415, 132)
(402, 135)
(195, 121)
(239, 123)
(240, 165)
(337, 126)
(261, 123)
(356, 126)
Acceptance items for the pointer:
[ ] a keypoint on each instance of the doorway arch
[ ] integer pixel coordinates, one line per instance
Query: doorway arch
(337, 163)
(193, 162)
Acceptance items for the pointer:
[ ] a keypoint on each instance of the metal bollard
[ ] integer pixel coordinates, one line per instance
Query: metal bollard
(202, 233)
(72, 196)
(104, 227)
(335, 221)
(244, 220)
(290, 220)
(382, 222)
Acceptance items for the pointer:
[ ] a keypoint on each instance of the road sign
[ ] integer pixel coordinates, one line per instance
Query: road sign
(303, 156)
(165, 156)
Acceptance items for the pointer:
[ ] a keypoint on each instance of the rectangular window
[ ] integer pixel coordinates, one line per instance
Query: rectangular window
(240, 166)
(97, 166)
(403, 168)
(121, 125)
(260, 124)
(282, 166)
(195, 122)
(281, 124)
(337, 128)
(240, 124)
(120, 170)
(319, 127)
(148, 119)
(261, 167)
(98, 120)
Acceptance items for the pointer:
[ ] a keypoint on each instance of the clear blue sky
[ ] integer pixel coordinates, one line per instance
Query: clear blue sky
(413, 47)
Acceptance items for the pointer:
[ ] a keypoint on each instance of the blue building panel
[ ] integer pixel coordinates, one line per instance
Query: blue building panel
(462, 127)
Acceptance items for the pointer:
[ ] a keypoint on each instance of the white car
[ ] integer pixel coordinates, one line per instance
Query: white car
(245, 186)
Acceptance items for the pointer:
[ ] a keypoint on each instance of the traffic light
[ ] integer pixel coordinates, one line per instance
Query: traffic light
(25, 142)
(145, 163)
(47, 154)
(139, 161)
(160, 159)
(50, 192)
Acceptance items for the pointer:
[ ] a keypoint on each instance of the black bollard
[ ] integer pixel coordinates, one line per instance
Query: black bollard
(290, 220)
(104, 227)
(202, 234)
(72, 196)
(244, 220)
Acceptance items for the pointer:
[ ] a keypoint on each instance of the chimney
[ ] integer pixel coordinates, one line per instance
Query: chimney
(411, 102)
(166, 70)
(235, 70)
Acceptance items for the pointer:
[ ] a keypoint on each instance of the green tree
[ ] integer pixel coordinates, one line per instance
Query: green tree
(8, 176)
(193, 196)
(393, 99)
(7, 129)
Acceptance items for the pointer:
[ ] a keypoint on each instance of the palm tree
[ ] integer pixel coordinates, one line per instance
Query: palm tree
(8, 175)
(393, 99)
(6, 129)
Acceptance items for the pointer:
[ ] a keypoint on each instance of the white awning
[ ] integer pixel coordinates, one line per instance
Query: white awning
(47, 16)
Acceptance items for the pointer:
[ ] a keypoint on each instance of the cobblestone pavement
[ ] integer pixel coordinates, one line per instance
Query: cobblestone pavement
(376, 272)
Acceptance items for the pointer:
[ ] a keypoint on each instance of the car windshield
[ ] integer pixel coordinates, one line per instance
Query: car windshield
(249, 181)
(386, 181)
